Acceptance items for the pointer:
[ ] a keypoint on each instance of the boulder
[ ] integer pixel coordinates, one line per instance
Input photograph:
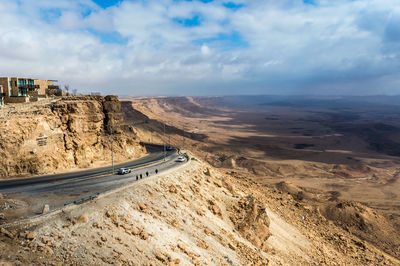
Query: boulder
(172, 189)
(82, 219)
(6, 233)
(31, 235)
(214, 208)
(142, 206)
(251, 220)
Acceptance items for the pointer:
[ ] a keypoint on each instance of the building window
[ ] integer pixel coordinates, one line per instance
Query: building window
(21, 92)
(11, 94)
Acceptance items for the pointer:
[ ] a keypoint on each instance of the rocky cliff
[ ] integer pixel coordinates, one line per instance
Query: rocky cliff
(71, 132)
(190, 215)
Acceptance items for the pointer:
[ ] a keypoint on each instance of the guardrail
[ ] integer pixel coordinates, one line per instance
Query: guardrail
(82, 200)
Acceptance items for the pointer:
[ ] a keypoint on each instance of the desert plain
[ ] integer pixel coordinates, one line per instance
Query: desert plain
(339, 155)
(271, 180)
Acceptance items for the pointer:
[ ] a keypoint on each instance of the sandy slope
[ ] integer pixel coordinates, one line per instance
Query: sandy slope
(192, 215)
(201, 214)
(340, 177)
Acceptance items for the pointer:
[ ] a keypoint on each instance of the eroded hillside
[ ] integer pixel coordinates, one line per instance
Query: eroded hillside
(63, 134)
(191, 215)
(294, 152)
(217, 209)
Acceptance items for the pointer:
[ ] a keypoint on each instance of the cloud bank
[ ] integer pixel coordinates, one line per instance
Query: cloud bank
(172, 47)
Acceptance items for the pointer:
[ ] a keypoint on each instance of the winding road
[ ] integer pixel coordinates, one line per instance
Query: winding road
(69, 188)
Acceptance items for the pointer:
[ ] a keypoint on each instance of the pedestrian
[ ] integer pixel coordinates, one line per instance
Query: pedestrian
(156, 171)
(147, 173)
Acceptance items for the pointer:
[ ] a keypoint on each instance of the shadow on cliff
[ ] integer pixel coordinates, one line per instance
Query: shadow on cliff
(137, 118)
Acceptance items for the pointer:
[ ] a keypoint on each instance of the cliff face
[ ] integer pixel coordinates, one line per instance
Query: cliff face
(68, 133)
(190, 215)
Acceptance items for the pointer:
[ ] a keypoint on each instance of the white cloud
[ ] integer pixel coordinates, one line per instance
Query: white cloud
(263, 47)
(205, 50)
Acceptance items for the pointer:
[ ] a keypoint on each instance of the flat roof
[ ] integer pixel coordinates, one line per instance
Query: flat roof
(54, 80)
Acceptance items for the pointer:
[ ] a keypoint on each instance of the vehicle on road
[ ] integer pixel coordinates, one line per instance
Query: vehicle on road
(180, 159)
(123, 171)
(170, 148)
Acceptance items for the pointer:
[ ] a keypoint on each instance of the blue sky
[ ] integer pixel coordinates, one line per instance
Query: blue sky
(107, 3)
(214, 47)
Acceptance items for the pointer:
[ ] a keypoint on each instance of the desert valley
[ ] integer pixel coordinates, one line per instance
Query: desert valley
(337, 155)
(269, 181)
(199, 132)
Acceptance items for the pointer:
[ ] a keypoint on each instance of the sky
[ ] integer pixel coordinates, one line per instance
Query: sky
(208, 47)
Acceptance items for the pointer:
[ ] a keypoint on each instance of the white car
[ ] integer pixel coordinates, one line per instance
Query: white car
(180, 159)
(123, 171)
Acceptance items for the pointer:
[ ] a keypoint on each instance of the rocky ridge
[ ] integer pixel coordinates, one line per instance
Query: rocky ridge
(191, 215)
(71, 132)
(359, 195)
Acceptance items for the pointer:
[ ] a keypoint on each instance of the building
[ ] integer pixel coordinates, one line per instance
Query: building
(20, 90)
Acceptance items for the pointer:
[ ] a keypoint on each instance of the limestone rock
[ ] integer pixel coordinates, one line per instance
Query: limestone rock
(142, 206)
(31, 235)
(6, 233)
(144, 235)
(135, 231)
(231, 246)
(200, 212)
(202, 244)
(82, 219)
(75, 130)
(172, 189)
(229, 186)
(252, 221)
(160, 257)
(47, 250)
(214, 208)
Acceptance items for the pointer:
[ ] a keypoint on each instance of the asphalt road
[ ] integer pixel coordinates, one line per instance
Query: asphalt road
(156, 155)
(58, 190)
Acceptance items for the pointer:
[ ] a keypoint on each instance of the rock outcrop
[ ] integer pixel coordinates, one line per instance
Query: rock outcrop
(251, 220)
(69, 133)
(147, 224)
